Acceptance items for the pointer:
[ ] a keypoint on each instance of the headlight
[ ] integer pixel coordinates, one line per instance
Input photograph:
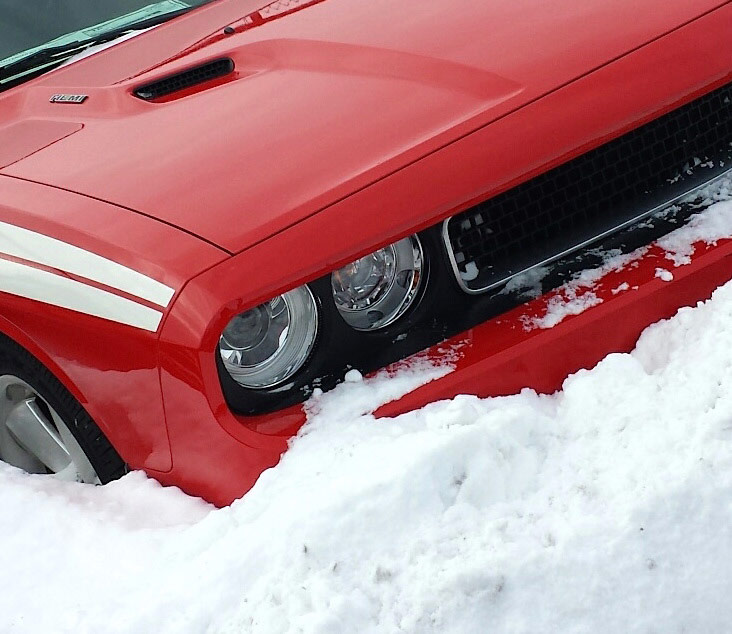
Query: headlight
(376, 290)
(266, 345)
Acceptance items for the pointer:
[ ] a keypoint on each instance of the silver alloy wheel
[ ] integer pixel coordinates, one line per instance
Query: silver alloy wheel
(35, 438)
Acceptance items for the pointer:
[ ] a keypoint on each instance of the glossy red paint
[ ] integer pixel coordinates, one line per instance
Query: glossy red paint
(444, 68)
(299, 149)
(110, 368)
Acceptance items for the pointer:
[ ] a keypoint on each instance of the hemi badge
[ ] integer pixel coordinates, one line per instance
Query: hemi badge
(68, 98)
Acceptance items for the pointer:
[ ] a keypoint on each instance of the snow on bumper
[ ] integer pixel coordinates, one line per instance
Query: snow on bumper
(601, 311)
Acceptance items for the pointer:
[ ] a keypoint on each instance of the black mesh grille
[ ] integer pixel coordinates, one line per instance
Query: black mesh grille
(587, 197)
(186, 79)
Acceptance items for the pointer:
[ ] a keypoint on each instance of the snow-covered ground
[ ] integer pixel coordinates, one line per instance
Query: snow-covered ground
(606, 507)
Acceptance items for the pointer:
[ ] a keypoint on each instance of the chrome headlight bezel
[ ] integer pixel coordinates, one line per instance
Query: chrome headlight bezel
(375, 291)
(294, 337)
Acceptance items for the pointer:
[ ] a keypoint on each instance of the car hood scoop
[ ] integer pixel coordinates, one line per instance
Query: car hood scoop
(196, 77)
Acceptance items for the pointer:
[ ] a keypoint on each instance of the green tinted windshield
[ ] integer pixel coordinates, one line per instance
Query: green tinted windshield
(28, 27)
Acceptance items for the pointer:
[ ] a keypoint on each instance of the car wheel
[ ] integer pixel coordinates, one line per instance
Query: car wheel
(44, 429)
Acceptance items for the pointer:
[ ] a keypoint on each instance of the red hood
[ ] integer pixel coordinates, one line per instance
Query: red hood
(325, 101)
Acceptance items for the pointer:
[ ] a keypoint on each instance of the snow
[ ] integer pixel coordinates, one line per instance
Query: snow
(606, 507)
(621, 288)
(602, 508)
(577, 295)
(527, 285)
(560, 307)
(710, 226)
(356, 395)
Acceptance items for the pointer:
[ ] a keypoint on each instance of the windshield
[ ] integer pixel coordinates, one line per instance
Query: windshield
(27, 28)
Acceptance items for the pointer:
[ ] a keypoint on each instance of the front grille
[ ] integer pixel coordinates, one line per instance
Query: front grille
(592, 195)
(186, 79)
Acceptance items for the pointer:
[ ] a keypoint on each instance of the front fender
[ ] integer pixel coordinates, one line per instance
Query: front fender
(110, 366)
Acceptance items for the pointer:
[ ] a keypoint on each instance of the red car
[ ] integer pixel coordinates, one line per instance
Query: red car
(208, 211)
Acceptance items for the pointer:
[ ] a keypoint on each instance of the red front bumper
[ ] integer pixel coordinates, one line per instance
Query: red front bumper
(219, 457)
(504, 355)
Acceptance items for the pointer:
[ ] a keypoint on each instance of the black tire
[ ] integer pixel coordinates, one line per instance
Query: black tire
(16, 360)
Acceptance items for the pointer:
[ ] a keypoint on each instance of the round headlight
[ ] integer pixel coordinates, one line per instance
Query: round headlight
(376, 290)
(266, 345)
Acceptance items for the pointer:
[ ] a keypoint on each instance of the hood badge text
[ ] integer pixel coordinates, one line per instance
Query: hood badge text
(68, 98)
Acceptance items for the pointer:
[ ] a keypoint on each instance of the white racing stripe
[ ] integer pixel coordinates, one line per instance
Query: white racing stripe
(44, 286)
(41, 249)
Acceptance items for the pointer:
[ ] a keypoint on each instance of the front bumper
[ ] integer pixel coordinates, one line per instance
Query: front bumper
(219, 456)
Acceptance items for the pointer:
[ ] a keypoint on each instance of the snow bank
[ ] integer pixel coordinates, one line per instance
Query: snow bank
(606, 507)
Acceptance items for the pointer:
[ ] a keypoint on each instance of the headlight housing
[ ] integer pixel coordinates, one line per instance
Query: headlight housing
(376, 290)
(266, 345)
